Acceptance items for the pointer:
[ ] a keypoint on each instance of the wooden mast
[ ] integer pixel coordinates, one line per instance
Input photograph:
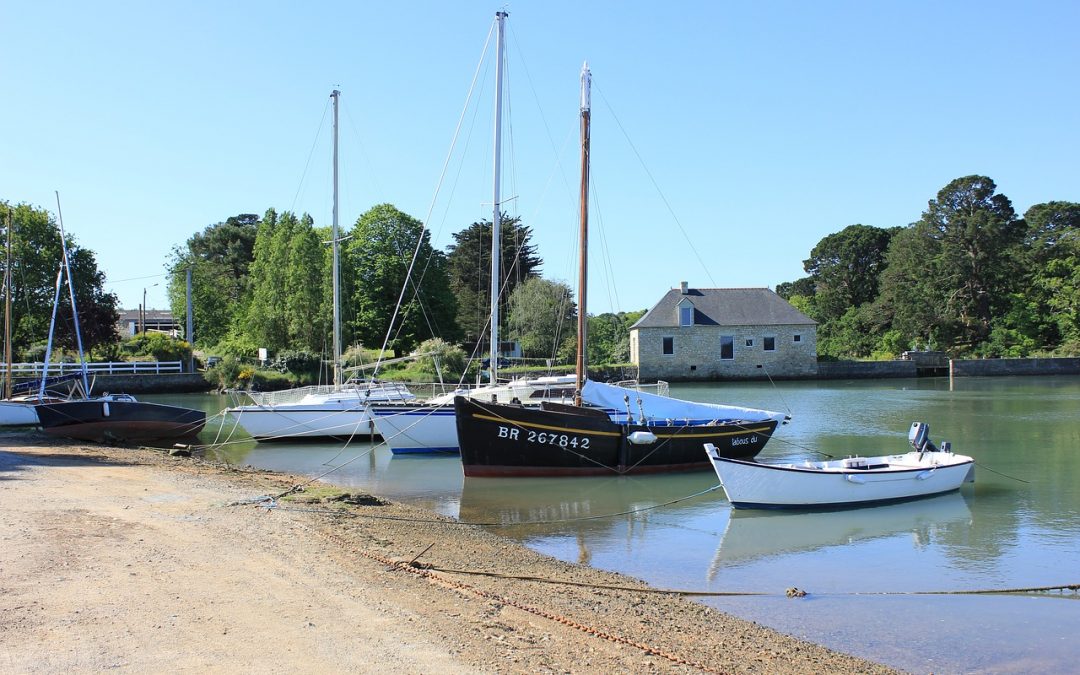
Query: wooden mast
(581, 371)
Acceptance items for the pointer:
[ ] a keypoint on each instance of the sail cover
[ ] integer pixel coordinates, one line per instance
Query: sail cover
(662, 407)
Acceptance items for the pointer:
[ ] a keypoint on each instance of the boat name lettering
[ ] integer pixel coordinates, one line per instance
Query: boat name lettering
(744, 440)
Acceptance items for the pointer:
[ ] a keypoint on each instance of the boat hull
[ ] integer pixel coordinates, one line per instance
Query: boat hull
(105, 421)
(891, 478)
(509, 440)
(292, 422)
(14, 414)
(417, 429)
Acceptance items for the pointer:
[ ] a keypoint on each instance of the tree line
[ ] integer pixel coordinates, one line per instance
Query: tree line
(267, 283)
(971, 277)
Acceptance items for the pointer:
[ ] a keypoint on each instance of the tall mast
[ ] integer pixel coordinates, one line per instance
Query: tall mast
(496, 219)
(71, 292)
(335, 94)
(7, 311)
(581, 371)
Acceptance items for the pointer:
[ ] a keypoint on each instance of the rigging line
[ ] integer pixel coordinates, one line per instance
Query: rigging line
(148, 276)
(1005, 475)
(438, 187)
(605, 250)
(314, 143)
(655, 185)
(364, 153)
(776, 389)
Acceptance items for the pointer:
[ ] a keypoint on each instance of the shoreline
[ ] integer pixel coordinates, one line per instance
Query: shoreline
(135, 560)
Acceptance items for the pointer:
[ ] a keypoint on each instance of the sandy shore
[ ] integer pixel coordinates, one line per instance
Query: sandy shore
(132, 560)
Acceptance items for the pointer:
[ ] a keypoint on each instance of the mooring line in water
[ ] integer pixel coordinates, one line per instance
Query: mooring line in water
(1005, 475)
(427, 572)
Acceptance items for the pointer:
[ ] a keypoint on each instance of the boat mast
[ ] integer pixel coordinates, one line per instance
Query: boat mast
(71, 292)
(583, 318)
(496, 219)
(7, 311)
(335, 94)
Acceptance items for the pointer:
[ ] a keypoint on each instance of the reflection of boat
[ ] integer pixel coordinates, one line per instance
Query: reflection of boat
(576, 440)
(853, 481)
(751, 535)
(338, 411)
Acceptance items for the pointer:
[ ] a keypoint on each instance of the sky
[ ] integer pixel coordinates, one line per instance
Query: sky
(728, 138)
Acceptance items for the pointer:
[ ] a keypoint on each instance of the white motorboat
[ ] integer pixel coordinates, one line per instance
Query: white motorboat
(852, 481)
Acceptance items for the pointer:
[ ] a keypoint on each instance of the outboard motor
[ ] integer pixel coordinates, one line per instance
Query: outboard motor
(919, 437)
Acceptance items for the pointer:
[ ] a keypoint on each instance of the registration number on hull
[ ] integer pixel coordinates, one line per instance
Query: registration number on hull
(544, 437)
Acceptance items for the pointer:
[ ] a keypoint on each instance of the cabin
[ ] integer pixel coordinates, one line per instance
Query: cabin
(723, 333)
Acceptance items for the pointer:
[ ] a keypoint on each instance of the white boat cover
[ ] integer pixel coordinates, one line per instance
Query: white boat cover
(663, 407)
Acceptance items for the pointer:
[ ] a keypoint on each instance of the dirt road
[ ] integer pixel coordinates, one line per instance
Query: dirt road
(131, 560)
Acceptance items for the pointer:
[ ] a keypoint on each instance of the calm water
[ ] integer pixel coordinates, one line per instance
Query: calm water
(1016, 528)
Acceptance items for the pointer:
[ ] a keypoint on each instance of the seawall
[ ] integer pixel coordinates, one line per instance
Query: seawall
(168, 383)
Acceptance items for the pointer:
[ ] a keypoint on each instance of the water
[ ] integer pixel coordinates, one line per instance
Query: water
(860, 566)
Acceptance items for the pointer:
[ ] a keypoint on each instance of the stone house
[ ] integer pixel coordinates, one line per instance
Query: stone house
(723, 333)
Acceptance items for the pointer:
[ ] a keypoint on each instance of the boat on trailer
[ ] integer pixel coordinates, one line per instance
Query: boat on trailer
(850, 482)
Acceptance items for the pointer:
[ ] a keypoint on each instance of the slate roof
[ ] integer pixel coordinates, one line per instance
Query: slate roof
(725, 307)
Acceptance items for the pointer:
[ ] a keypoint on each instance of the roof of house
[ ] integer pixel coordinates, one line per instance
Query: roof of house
(725, 307)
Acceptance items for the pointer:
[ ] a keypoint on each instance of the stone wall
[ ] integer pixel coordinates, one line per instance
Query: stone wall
(999, 367)
(857, 370)
(697, 353)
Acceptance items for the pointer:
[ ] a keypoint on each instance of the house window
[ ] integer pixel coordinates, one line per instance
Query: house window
(769, 343)
(749, 342)
(669, 346)
(686, 316)
(797, 338)
(727, 347)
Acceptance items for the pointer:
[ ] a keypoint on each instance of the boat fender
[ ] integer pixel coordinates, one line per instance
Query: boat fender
(642, 438)
(853, 478)
(923, 475)
(105, 408)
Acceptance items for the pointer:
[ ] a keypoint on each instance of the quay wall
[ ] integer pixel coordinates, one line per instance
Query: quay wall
(1000, 367)
(165, 383)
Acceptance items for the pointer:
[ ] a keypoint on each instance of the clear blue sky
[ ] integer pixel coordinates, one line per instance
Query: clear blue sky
(766, 126)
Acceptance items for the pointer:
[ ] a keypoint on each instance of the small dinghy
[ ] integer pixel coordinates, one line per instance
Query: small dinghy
(854, 481)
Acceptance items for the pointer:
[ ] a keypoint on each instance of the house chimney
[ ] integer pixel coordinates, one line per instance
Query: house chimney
(682, 287)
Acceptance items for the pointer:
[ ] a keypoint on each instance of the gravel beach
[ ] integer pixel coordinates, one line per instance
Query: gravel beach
(136, 561)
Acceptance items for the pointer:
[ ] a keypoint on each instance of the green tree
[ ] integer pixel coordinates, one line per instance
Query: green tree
(379, 255)
(956, 266)
(609, 337)
(36, 259)
(542, 316)
(219, 258)
(845, 268)
(469, 259)
(288, 275)
(1052, 260)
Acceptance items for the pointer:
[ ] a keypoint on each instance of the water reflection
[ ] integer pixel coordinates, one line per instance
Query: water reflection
(750, 535)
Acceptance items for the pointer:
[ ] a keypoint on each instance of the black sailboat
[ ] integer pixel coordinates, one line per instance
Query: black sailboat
(111, 418)
(604, 436)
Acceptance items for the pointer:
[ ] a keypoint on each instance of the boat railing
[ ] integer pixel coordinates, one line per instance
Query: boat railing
(660, 387)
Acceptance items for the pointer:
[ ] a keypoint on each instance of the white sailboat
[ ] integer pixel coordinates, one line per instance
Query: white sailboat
(429, 426)
(335, 411)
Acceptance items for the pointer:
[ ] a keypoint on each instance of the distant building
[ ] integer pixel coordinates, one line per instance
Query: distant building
(156, 320)
(723, 333)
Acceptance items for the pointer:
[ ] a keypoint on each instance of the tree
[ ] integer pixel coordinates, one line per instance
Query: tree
(1053, 264)
(845, 268)
(469, 259)
(956, 267)
(542, 316)
(609, 336)
(36, 258)
(219, 258)
(288, 276)
(377, 265)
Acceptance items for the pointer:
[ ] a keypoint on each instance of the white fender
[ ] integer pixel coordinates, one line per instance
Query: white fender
(642, 438)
